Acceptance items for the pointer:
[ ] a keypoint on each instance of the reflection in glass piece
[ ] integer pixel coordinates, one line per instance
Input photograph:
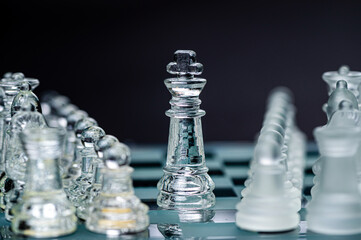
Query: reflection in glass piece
(44, 210)
(185, 184)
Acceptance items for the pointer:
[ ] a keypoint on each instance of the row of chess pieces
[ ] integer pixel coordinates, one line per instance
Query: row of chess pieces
(272, 197)
(58, 165)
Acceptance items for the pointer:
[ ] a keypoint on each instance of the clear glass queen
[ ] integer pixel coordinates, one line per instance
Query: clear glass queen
(185, 183)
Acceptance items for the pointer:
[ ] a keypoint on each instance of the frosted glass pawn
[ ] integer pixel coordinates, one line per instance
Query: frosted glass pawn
(185, 183)
(336, 208)
(116, 210)
(89, 161)
(44, 210)
(115, 154)
(266, 208)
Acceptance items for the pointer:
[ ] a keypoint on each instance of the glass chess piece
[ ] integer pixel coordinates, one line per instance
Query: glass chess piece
(89, 161)
(48, 111)
(185, 183)
(15, 164)
(267, 207)
(336, 208)
(116, 210)
(113, 155)
(353, 79)
(105, 143)
(11, 84)
(75, 168)
(70, 146)
(44, 210)
(340, 95)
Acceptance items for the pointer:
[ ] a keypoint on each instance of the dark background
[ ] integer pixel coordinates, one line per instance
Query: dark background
(109, 57)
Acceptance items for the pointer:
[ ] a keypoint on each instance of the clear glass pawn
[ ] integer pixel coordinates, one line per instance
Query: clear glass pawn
(89, 161)
(79, 127)
(185, 183)
(15, 164)
(44, 210)
(116, 210)
(70, 145)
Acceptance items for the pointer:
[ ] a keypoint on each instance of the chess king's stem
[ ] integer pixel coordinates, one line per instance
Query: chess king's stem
(185, 184)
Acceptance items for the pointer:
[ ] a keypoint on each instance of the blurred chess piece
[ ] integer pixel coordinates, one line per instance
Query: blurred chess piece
(336, 208)
(353, 79)
(44, 210)
(185, 183)
(25, 108)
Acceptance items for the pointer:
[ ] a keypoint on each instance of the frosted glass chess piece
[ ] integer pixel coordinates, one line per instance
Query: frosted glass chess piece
(116, 153)
(15, 164)
(116, 210)
(353, 79)
(44, 210)
(339, 95)
(89, 160)
(185, 183)
(336, 208)
(267, 208)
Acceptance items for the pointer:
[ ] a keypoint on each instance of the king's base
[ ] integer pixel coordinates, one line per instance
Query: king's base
(186, 202)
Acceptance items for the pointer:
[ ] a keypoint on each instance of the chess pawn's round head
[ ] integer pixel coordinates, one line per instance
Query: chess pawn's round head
(116, 156)
(83, 124)
(74, 117)
(267, 152)
(340, 94)
(67, 110)
(25, 100)
(91, 135)
(104, 143)
(58, 102)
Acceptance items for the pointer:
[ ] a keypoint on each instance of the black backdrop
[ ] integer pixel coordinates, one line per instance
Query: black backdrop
(109, 57)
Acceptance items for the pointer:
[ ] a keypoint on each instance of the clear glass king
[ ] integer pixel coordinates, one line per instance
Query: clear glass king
(185, 184)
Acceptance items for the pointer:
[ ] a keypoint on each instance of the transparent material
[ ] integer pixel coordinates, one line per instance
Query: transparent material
(336, 208)
(272, 196)
(44, 210)
(117, 210)
(11, 84)
(185, 183)
(15, 164)
(90, 160)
